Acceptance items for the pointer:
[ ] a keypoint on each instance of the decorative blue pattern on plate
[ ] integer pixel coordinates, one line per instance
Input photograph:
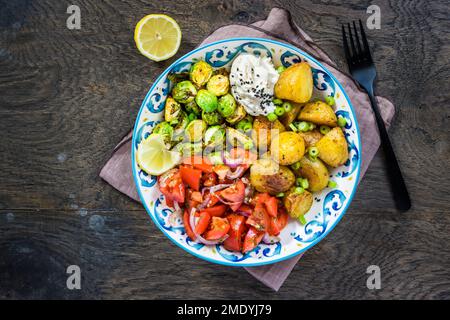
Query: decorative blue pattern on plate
(295, 238)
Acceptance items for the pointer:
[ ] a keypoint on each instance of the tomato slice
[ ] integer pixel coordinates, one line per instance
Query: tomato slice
(277, 224)
(192, 198)
(221, 170)
(209, 179)
(202, 223)
(282, 218)
(271, 203)
(198, 162)
(219, 228)
(187, 226)
(216, 211)
(191, 177)
(245, 209)
(234, 195)
(252, 239)
(259, 219)
(237, 228)
(172, 186)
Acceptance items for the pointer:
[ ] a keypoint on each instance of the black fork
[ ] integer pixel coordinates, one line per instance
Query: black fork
(363, 70)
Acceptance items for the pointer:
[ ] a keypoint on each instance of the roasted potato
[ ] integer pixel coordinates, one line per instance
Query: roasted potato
(262, 134)
(297, 204)
(311, 137)
(315, 171)
(287, 148)
(333, 149)
(318, 112)
(295, 83)
(267, 176)
(289, 117)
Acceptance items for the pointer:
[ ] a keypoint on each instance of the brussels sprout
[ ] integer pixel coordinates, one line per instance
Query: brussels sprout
(234, 136)
(212, 118)
(178, 133)
(192, 107)
(214, 135)
(195, 130)
(238, 114)
(165, 130)
(206, 100)
(227, 105)
(200, 73)
(172, 110)
(218, 85)
(184, 92)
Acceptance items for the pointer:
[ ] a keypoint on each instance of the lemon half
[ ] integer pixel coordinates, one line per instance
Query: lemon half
(157, 36)
(153, 156)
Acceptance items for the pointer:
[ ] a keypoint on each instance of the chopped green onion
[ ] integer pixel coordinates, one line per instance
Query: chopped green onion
(192, 116)
(247, 127)
(332, 184)
(298, 182)
(303, 126)
(312, 126)
(313, 152)
(302, 220)
(324, 130)
(277, 101)
(174, 122)
(329, 100)
(299, 190)
(280, 195)
(280, 69)
(341, 121)
(279, 111)
(272, 117)
(305, 183)
(293, 127)
(287, 106)
(296, 166)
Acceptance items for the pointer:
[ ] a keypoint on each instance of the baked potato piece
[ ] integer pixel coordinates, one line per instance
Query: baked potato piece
(267, 176)
(311, 137)
(333, 149)
(287, 148)
(297, 204)
(262, 134)
(295, 83)
(289, 117)
(315, 171)
(318, 112)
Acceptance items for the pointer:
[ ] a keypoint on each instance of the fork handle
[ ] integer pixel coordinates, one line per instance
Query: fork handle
(401, 196)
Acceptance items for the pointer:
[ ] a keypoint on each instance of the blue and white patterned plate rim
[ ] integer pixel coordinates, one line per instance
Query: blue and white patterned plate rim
(136, 181)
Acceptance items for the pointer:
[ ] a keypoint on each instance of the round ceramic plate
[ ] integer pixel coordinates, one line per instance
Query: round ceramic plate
(329, 205)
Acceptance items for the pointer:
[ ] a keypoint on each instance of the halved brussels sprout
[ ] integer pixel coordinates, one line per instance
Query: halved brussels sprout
(200, 73)
(192, 107)
(206, 100)
(165, 130)
(226, 105)
(214, 135)
(172, 109)
(187, 149)
(238, 114)
(184, 92)
(218, 85)
(183, 121)
(195, 130)
(212, 118)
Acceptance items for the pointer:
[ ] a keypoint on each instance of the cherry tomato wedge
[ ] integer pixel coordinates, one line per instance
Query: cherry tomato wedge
(193, 198)
(252, 239)
(219, 228)
(259, 218)
(234, 195)
(209, 179)
(221, 170)
(172, 186)
(237, 228)
(202, 222)
(198, 162)
(216, 211)
(271, 203)
(191, 177)
(187, 225)
(277, 224)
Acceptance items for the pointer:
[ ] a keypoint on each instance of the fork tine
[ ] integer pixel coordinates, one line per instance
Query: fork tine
(364, 40)
(346, 49)
(357, 38)
(352, 42)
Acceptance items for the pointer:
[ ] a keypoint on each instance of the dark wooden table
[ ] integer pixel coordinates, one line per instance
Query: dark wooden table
(68, 96)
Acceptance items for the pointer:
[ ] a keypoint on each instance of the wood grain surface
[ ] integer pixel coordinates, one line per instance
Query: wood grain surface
(68, 96)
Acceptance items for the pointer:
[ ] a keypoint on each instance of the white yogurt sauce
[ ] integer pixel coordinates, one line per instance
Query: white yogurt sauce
(252, 82)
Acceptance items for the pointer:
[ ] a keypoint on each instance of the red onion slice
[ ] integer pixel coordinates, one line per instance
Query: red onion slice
(215, 188)
(236, 174)
(231, 162)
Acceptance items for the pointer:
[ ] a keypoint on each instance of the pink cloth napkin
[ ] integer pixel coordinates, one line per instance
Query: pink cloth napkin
(278, 26)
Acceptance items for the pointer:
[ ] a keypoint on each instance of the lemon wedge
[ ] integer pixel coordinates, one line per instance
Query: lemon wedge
(153, 156)
(157, 36)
